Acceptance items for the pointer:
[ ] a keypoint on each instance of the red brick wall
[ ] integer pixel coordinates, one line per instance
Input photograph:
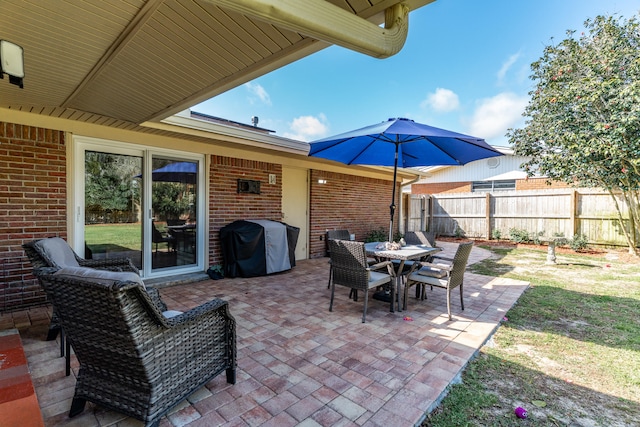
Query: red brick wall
(538, 184)
(227, 205)
(32, 205)
(465, 187)
(442, 187)
(350, 202)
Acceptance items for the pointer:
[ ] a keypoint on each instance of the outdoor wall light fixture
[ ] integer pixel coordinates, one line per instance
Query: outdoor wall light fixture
(12, 62)
(322, 181)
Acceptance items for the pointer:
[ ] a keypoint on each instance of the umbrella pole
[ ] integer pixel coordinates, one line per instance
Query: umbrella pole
(392, 207)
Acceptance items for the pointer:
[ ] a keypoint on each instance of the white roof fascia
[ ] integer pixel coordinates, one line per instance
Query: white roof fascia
(427, 170)
(207, 129)
(507, 176)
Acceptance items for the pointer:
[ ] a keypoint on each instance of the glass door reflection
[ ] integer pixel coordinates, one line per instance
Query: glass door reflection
(173, 213)
(112, 198)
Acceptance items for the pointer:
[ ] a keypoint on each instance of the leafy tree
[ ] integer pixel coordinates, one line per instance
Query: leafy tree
(583, 120)
(170, 199)
(109, 186)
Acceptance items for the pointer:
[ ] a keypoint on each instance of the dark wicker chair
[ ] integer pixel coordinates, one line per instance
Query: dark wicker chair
(442, 276)
(56, 252)
(336, 235)
(157, 237)
(350, 268)
(134, 358)
(420, 238)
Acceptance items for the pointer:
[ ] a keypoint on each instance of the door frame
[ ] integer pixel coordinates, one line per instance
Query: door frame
(75, 202)
(302, 211)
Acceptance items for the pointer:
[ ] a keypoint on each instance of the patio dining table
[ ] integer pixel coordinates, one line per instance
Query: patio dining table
(184, 234)
(405, 253)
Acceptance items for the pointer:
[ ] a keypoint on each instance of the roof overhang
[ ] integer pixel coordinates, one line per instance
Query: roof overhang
(186, 124)
(123, 63)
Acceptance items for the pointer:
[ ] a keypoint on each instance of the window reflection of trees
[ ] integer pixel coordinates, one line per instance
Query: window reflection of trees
(112, 193)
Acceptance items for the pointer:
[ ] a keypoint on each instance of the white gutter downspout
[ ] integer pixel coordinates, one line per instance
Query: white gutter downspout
(401, 224)
(324, 21)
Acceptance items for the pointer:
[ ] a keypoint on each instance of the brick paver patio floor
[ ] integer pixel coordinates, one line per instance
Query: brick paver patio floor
(298, 363)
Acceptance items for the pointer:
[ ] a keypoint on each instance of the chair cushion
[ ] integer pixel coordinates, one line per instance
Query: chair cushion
(432, 272)
(103, 277)
(377, 279)
(171, 313)
(58, 251)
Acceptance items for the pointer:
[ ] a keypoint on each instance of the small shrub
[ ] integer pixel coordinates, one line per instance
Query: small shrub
(215, 272)
(378, 235)
(519, 235)
(579, 242)
(537, 237)
(496, 234)
(459, 232)
(560, 239)
(381, 235)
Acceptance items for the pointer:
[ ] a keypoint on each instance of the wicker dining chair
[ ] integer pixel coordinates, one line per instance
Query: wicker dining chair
(425, 238)
(135, 359)
(335, 235)
(420, 238)
(351, 269)
(338, 235)
(444, 276)
(56, 252)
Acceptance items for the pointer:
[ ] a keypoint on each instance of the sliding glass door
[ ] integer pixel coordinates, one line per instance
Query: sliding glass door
(112, 206)
(141, 204)
(174, 212)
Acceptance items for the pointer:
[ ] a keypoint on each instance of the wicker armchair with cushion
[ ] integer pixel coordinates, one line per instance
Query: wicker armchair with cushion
(350, 268)
(134, 358)
(440, 275)
(56, 252)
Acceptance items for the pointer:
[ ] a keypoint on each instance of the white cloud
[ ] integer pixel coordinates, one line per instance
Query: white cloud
(506, 66)
(308, 128)
(442, 100)
(256, 89)
(493, 116)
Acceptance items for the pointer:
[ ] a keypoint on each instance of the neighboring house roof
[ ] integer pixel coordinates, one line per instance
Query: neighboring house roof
(195, 126)
(124, 64)
(429, 170)
(220, 120)
(505, 167)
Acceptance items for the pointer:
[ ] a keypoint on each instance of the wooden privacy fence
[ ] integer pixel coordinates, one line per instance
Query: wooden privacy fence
(566, 212)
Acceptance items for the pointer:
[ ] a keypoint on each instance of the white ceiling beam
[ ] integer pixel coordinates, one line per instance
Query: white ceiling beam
(324, 21)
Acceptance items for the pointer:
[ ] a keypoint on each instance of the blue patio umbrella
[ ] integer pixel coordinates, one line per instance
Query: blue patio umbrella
(184, 172)
(402, 143)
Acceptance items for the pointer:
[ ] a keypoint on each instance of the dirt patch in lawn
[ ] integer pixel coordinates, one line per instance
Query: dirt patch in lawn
(621, 254)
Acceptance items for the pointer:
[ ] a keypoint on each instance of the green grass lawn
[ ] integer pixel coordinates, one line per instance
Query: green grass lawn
(100, 237)
(568, 352)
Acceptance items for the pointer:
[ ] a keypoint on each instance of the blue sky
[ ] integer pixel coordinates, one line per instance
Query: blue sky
(465, 67)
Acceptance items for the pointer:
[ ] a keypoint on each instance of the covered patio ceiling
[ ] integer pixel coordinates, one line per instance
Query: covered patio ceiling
(123, 63)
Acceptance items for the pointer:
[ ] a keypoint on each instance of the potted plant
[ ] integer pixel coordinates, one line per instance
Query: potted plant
(216, 272)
